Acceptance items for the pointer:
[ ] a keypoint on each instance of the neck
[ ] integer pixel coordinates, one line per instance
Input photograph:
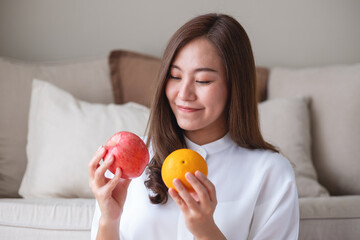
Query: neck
(201, 137)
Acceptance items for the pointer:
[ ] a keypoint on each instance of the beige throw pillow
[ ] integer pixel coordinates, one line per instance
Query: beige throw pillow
(63, 135)
(285, 123)
(335, 119)
(92, 84)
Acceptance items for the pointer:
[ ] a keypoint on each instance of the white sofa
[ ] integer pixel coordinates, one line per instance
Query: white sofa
(313, 115)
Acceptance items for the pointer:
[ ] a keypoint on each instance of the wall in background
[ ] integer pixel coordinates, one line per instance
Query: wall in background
(283, 32)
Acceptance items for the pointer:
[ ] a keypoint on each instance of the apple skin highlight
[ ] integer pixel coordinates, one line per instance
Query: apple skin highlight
(130, 154)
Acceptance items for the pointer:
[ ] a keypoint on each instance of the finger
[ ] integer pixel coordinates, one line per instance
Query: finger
(111, 184)
(184, 194)
(179, 201)
(94, 162)
(124, 183)
(100, 171)
(208, 184)
(200, 189)
(195, 196)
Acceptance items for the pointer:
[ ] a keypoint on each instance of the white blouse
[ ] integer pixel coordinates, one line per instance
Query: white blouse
(255, 189)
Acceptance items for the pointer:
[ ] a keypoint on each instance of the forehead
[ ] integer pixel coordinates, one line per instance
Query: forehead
(199, 52)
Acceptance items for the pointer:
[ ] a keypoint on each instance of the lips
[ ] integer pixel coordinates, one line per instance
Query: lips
(187, 109)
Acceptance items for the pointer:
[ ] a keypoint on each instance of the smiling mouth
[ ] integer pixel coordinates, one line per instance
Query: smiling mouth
(187, 109)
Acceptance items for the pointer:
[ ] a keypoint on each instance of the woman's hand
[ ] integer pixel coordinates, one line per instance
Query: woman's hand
(198, 207)
(109, 193)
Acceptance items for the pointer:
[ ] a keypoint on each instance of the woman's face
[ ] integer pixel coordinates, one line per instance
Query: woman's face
(197, 91)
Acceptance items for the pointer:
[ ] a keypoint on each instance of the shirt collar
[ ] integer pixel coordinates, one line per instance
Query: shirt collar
(210, 148)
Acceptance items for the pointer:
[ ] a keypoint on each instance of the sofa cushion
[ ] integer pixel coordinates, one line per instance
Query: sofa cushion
(47, 214)
(285, 123)
(329, 229)
(335, 118)
(335, 207)
(64, 133)
(87, 80)
(13, 232)
(330, 218)
(134, 77)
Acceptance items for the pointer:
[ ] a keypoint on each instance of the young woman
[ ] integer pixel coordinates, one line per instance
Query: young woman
(205, 101)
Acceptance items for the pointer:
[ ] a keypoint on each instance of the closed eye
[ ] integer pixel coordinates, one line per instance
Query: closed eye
(173, 77)
(203, 82)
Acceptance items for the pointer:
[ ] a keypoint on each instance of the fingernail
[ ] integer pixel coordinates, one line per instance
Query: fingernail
(109, 157)
(189, 176)
(199, 174)
(100, 149)
(176, 183)
(172, 192)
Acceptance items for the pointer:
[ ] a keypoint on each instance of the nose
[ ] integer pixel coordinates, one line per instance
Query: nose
(187, 90)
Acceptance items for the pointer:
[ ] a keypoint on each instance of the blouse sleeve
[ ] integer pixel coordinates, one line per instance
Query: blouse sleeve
(276, 214)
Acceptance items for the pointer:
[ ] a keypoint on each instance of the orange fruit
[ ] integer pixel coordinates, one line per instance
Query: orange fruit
(179, 162)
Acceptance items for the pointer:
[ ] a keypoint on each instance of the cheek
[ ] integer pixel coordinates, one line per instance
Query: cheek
(217, 97)
(170, 90)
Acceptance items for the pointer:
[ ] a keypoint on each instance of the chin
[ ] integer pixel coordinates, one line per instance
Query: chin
(189, 126)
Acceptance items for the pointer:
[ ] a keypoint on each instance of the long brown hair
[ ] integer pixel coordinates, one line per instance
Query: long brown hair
(233, 45)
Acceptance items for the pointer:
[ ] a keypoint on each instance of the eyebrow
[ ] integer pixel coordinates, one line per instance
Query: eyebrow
(198, 69)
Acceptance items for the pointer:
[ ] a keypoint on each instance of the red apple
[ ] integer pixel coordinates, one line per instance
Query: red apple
(130, 154)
